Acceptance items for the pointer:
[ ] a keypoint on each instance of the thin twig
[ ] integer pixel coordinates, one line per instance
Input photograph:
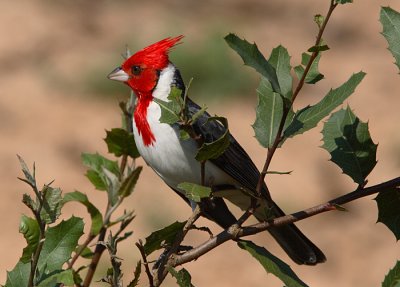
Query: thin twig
(80, 250)
(170, 258)
(139, 245)
(279, 137)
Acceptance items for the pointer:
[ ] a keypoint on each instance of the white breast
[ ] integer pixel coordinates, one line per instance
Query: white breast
(172, 159)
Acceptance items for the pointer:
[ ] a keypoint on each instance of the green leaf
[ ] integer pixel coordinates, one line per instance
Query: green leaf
(65, 277)
(121, 142)
(95, 214)
(388, 210)
(344, 1)
(113, 186)
(52, 203)
(319, 20)
(390, 20)
(272, 264)
(269, 114)
(30, 178)
(313, 75)
(183, 135)
(129, 183)
(280, 60)
(194, 191)
(96, 164)
(252, 57)
(171, 109)
(182, 277)
(392, 279)
(19, 276)
(29, 227)
(136, 275)
(164, 236)
(308, 117)
(216, 148)
(61, 241)
(348, 141)
(199, 113)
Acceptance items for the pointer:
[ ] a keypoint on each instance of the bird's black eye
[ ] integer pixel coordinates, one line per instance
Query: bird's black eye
(136, 70)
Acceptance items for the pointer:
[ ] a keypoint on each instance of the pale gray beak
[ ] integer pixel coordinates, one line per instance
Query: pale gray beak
(118, 75)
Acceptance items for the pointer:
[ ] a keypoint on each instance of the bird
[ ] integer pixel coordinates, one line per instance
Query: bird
(151, 75)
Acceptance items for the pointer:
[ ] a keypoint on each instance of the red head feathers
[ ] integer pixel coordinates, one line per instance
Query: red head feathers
(154, 56)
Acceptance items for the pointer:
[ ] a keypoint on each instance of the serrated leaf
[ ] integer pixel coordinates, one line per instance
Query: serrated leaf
(65, 277)
(121, 142)
(272, 264)
(388, 210)
(95, 214)
(313, 75)
(392, 279)
(136, 275)
(269, 114)
(308, 117)
(171, 109)
(52, 203)
(61, 241)
(194, 191)
(252, 57)
(164, 236)
(182, 277)
(96, 164)
(390, 20)
(348, 141)
(28, 175)
(19, 276)
(280, 60)
(129, 183)
(216, 148)
(29, 227)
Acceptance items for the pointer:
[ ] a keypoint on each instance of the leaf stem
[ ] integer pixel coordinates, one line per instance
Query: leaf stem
(139, 245)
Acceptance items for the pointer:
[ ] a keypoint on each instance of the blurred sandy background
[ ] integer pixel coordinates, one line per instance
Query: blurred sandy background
(55, 102)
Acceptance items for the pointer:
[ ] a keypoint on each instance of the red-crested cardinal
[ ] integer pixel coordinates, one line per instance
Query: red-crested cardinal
(150, 74)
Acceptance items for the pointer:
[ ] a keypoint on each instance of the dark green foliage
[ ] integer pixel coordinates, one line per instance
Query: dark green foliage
(388, 210)
(182, 276)
(121, 142)
(162, 237)
(392, 279)
(29, 227)
(348, 141)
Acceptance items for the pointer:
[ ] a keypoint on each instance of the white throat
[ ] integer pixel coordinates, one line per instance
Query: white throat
(163, 87)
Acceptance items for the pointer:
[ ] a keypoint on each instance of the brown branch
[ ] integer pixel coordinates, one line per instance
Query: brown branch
(81, 248)
(234, 233)
(279, 136)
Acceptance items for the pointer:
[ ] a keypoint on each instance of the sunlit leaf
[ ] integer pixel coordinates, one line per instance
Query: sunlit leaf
(52, 202)
(194, 191)
(390, 20)
(308, 117)
(29, 227)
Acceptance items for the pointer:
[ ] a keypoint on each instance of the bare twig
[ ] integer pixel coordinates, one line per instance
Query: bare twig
(139, 245)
